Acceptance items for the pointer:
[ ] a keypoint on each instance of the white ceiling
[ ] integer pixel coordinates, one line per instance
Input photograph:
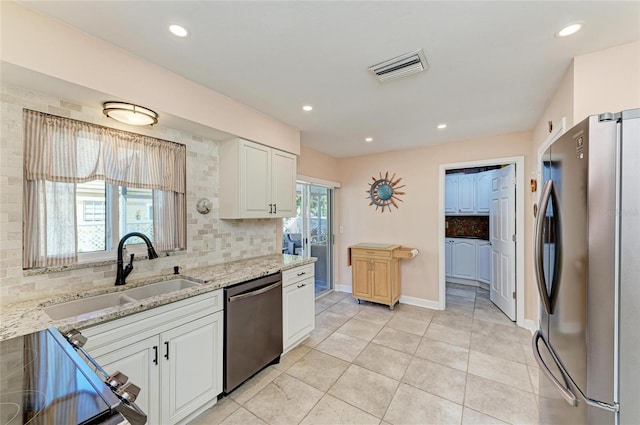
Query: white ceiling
(493, 65)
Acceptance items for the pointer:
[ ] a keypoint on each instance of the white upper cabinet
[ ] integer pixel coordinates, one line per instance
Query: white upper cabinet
(256, 181)
(467, 194)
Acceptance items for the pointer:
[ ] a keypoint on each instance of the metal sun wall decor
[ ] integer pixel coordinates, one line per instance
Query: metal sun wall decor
(383, 192)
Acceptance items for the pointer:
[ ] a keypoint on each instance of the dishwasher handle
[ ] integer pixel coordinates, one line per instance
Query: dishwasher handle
(254, 293)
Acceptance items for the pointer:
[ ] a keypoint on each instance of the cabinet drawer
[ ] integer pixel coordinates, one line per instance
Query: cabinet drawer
(368, 253)
(296, 275)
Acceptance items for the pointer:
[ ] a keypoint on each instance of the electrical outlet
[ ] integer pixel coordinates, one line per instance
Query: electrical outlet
(341, 229)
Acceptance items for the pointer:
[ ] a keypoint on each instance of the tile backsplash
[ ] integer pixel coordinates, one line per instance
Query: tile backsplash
(467, 226)
(209, 240)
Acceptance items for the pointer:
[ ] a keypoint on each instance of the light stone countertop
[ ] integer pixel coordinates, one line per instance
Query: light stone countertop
(28, 316)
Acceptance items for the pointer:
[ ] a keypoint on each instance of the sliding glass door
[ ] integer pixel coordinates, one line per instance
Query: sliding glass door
(309, 233)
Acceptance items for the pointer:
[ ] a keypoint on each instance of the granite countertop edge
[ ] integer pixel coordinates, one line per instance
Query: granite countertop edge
(28, 316)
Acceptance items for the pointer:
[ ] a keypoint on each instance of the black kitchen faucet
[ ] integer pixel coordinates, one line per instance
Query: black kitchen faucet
(123, 272)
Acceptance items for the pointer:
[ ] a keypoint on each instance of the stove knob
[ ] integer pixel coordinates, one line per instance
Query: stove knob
(129, 392)
(117, 379)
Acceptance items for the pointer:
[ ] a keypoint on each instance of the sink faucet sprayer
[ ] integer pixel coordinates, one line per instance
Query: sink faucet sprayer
(122, 273)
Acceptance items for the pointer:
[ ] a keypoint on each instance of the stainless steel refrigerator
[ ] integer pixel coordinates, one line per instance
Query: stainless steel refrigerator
(587, 261)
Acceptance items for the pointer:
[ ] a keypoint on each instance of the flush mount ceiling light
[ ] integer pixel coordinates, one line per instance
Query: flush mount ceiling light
(442, 126)
(178, 30)
(368, 139)
(400, 66)
(569, 30)
(307, 108)
(129, 113)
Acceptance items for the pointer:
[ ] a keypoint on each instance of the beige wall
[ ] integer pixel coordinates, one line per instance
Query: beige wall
(607, 81)
(416, 223)
(209, 240)
(37, 43)
(316, 164)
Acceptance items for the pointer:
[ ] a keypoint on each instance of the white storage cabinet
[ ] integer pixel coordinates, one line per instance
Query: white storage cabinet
(468, 194)
(298, 305)
(483, 263)
(468, 259)
(173, 353)
(256, 181)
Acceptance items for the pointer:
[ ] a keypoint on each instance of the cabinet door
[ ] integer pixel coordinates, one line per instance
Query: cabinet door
(381, 280)
(139, 362)
(298, 312)
(361, 287)
(464, 259)
(255, 180)
(191, 366)
(483, 192)
(483, 265)
(447, 257)
(283, 184)
(451, 194)
(466, 193)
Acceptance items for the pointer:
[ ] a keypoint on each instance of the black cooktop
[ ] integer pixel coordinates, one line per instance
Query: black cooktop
(44, 381)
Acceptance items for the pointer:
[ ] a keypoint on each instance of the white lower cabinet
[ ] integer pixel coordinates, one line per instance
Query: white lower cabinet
(298, 305)
(174, 355)
(483, 254)
(468, 259)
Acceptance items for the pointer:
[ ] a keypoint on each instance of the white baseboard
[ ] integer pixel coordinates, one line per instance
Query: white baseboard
(419, 302)
(530, 325)
(342, 288)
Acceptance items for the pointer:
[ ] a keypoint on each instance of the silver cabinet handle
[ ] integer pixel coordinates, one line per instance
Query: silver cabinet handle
(565, 390)
(301, 274)
(254, 293)
(301, 285)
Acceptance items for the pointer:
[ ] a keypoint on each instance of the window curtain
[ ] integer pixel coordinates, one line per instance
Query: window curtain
(60, 152)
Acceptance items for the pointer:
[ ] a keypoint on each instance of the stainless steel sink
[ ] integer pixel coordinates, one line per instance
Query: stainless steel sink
(101, 302)
(160, 288)
(87, 305)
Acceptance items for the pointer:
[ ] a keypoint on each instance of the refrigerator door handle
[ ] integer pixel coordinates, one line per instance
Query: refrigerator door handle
(539, 246)
(565, 389)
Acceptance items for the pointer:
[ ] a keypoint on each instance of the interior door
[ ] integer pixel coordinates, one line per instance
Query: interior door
(502, 228)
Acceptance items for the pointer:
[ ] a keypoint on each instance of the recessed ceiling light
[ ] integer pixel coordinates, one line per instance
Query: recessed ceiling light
(569, 29)
(369, 139)
(442, 126)
(307, 108)
(178, 30)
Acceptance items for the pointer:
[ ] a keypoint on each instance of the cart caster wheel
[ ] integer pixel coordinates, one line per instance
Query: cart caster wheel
(358, 299)
(391, 307)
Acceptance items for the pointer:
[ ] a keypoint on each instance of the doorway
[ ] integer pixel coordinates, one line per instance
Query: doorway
(310, 234)
(501, 244)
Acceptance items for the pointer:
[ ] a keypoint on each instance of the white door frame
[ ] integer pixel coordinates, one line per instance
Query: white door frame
(520, 193)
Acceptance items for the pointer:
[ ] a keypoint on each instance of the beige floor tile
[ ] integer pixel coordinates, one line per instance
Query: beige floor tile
(318, 335)
(243, 417)
(318, 369)
(463, 293)
(443, 353)
(408, 324)
(452, 320)
(449, 335)
(414, 312)
(216, 414)
(286, 400)
(330, 410)
(500, 370)
(365, 389)
(460, 301)
(330, 320)
(413, 406)
(473, 288)
(384, 360)
(254, 385)
(500, 401)
(349, 310)
(335, 296)
(491, 315)
(323, 304)
(497, 347)
(533, 376)
(360, 329)
(291, 357)
(461, 310)
(436, 379)
(398, 340)
(375, 314)
(471, 417)
(507, 332)
(344, 347)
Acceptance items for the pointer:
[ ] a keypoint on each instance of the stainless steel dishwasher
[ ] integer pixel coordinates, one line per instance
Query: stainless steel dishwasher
(252, 328)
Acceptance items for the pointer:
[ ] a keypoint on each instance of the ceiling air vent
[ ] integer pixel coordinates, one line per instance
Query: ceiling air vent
(401, 66)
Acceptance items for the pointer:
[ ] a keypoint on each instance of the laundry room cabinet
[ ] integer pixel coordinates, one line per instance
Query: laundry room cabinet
(256, 181)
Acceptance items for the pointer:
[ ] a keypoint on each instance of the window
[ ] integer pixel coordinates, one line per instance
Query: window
(86, 186)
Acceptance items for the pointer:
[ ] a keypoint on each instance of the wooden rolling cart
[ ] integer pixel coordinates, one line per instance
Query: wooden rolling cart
(376, 271)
